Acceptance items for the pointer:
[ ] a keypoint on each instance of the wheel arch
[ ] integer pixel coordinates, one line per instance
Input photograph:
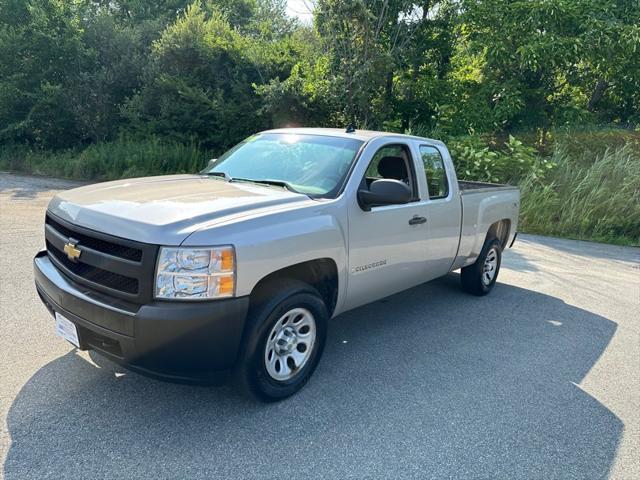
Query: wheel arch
(320, 273)
(500, 230)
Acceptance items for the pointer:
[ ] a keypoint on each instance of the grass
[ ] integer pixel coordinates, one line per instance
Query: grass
(123, 158)
(594, 198)
(591, 193)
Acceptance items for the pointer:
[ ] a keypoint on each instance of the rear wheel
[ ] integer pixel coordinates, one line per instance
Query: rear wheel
(284, 341)
(479, 278)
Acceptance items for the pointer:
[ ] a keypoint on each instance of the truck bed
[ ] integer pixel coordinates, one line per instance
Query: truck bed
(467, 187)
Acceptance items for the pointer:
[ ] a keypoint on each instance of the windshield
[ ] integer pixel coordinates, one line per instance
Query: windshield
(311, 164)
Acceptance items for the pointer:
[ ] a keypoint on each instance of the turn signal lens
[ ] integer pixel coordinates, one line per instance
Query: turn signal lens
(226, 260)
(226, 285)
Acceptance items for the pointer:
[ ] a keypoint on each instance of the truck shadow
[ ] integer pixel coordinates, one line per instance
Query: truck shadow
(427, 383)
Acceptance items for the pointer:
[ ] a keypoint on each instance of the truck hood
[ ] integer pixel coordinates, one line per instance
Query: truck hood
(165, 210)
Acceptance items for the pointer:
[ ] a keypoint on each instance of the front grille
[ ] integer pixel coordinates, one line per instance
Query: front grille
(95, 274)
(109, 248)
(116, 266)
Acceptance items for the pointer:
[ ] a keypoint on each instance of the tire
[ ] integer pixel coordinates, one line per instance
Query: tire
(283, 342)
(474, 278)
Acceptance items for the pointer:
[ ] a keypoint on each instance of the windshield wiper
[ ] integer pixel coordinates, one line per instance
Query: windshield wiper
(266, 181)
(219, 174)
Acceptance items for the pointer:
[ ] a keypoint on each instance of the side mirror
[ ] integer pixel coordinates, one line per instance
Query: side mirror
(384, 192)
(211, 162)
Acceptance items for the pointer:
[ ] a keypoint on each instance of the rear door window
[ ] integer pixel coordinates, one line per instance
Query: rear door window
(437, 182)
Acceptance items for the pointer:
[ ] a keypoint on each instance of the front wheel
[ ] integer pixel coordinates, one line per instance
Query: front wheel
(284, 342)
(480, 277)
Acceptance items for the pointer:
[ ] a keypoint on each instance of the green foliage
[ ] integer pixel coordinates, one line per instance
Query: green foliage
(553, 61)
(83, 71)
(34, 105)
(519, 89)
(303, 97)
(584, 145)
(115, 58)
(121, 158)
(599, 201)
(476, 159)
(198, 83)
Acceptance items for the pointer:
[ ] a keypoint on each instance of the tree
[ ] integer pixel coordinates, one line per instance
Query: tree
(198, 84)
(548, 56)
(76, 72)
(364, 40)
(41, 51)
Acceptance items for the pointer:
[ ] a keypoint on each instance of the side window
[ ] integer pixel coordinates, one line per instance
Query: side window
(435, 172)
(392, 161)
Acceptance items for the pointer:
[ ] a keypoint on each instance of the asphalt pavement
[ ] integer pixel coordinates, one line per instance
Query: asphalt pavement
(540, 379)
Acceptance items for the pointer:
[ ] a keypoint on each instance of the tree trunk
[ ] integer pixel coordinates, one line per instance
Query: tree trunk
(598, 92)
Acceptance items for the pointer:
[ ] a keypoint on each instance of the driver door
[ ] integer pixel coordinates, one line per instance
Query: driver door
(387, 251)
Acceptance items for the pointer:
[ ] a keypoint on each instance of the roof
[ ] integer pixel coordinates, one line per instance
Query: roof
(363, 135)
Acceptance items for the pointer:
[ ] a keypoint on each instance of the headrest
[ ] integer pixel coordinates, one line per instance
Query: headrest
(393, 167)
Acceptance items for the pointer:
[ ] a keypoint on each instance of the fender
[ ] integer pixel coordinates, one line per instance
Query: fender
(491, 209)
(278, 239)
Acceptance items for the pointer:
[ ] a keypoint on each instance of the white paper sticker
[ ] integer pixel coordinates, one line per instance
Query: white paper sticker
(66, 329)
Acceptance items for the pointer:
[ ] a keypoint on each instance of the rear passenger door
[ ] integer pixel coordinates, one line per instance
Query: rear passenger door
(387, 250)
(443, 211)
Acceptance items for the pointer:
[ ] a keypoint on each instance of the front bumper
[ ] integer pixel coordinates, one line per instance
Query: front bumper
(177, 341)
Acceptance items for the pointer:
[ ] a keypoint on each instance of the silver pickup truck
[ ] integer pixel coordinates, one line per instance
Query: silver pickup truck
(237, 269)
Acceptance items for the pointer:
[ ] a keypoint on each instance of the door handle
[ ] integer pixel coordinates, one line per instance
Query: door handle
(417, 220)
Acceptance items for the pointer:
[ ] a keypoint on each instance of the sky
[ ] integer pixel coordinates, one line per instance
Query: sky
(301, 9)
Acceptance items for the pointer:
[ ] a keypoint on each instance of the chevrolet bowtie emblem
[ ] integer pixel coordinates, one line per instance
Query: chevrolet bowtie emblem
(73, 252)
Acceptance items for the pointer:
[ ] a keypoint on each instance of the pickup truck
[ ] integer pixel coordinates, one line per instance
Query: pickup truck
(236, 270)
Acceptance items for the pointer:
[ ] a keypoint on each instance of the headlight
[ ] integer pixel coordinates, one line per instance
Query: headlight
(195, 273)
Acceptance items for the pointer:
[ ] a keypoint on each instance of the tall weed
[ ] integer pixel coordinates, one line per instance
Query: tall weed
(597, 201)
(108, 161)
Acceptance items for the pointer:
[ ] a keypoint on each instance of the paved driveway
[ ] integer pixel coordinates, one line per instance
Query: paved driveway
(538, 380)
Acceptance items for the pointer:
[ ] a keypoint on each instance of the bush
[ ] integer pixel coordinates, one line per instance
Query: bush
(475, 159)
